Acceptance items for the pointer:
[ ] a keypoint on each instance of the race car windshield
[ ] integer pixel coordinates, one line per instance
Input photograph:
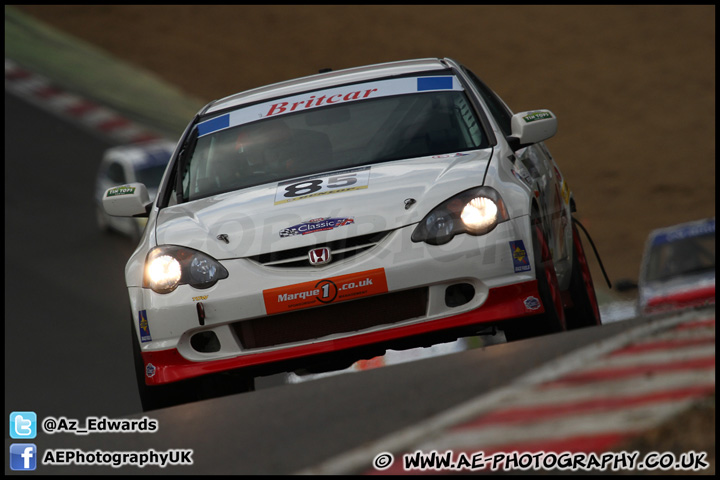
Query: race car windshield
(686, 256)
(331, 138)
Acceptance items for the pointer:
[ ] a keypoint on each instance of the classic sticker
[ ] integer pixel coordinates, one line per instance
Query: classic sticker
(124, 190)
(150, 370)
(144, 327)
(322, 184)
(325, 291)
(519, 256)
(316, 225)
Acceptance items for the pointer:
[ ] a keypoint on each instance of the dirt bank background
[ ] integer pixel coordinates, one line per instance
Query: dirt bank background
(633, 86)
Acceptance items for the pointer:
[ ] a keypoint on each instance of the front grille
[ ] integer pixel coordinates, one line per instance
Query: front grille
(342, 317)
(341, 249)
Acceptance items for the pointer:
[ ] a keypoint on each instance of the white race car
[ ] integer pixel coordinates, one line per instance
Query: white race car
(142, 163)
(678, 268)
(311, 223)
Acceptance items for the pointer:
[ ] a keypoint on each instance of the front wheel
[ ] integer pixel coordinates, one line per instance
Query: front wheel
(553, 319)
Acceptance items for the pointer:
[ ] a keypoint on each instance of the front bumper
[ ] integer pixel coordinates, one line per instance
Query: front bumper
(263, 315)
(164, 366)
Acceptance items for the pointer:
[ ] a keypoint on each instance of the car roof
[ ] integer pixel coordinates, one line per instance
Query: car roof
(330, 79)
(681, 230)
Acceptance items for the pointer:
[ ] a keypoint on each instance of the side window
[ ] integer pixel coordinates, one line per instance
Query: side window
(116, 173)
(497, 108)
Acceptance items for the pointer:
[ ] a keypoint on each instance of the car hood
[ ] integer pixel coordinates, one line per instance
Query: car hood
(249, 222)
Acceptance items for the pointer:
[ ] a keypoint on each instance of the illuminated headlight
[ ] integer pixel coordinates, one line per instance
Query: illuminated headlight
(479, 214)
(476, 211)
(164, 273)
(168, 266)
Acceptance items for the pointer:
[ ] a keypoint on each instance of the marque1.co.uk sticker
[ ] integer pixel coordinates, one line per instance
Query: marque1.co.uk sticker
(325, 291)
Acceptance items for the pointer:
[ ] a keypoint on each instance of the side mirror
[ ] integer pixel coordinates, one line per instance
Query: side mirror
(131, 200)
(531, 127)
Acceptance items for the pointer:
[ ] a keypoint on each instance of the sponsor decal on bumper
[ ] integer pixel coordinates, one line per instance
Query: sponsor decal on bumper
(519, 256)
(325, 291)
(144, 327)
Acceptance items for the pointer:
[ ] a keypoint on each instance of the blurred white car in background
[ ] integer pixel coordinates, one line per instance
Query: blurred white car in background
(678, 268)
(144, 163)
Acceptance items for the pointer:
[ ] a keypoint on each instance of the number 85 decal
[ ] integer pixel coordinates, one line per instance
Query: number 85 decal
(322, 184)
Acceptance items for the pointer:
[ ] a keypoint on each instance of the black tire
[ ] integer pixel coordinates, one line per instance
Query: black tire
(186, 391)
(584, 311)
(553, 319)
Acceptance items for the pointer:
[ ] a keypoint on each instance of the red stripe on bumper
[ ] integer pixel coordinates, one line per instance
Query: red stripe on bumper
(502, 303)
